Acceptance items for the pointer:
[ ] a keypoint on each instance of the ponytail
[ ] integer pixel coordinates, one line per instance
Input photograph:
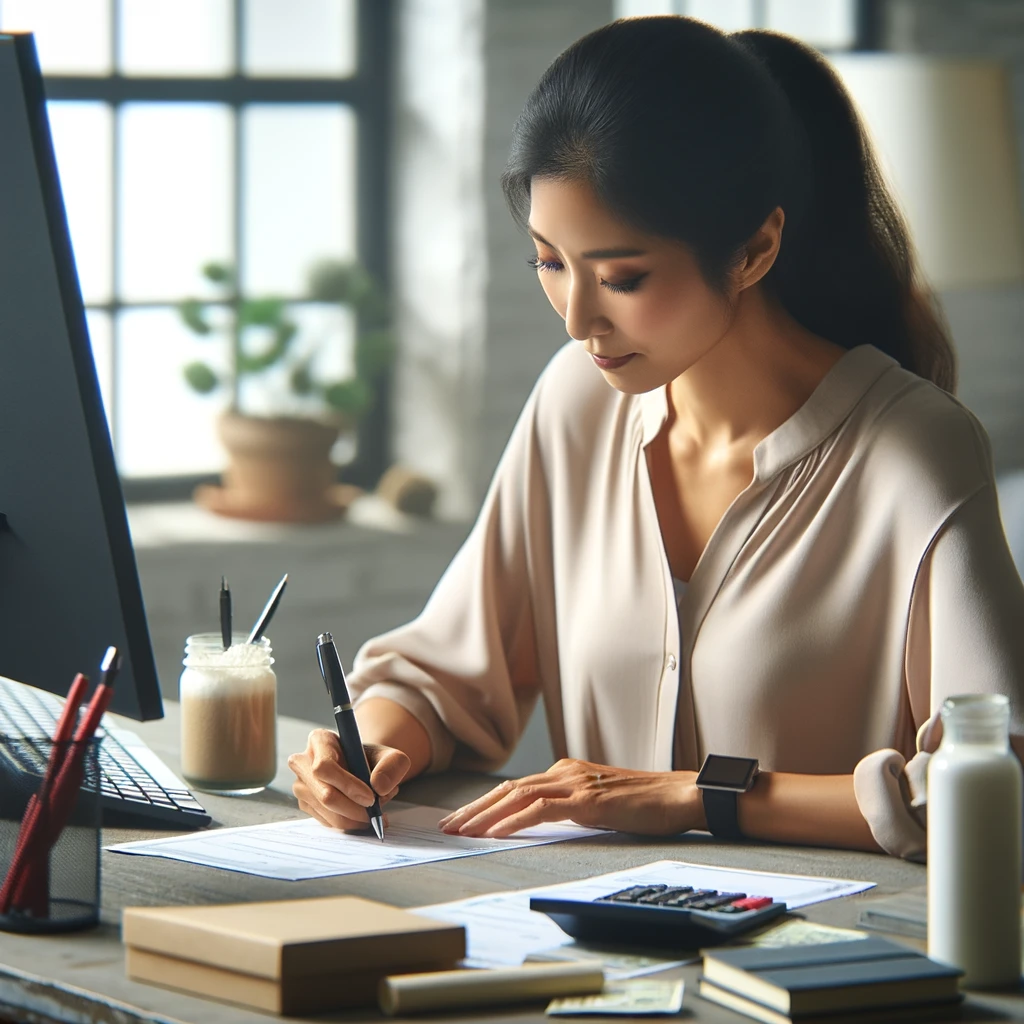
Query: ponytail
(847, 271)
(696, 135)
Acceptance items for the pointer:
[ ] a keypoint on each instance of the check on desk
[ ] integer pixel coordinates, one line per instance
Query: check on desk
(303, 848)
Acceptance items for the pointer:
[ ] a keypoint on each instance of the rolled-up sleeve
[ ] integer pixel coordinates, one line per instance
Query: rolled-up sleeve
(965, 635)
(466, 667)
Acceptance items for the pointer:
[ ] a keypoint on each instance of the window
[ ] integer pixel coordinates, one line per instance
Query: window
(245, 132)
(825, 24)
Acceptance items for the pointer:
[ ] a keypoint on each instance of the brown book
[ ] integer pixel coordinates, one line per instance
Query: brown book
(295, 995)
(288, 939)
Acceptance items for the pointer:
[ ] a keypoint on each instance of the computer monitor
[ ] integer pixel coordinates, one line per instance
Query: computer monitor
(68, 581)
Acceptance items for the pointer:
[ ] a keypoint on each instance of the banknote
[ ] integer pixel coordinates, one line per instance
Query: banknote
(638, 996)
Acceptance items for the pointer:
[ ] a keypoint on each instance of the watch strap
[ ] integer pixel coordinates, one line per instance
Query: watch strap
(721, 813)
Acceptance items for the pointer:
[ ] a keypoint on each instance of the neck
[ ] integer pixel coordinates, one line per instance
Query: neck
(762, 369)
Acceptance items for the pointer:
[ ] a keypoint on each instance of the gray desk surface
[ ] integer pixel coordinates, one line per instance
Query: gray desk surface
(81, 977)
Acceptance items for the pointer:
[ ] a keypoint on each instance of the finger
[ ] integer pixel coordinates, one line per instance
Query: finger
(330, 802)
(541, 810)
(519, 798)
(309, 803)
(452, 822)
(311, 811)
(325, 769)
(388, 766)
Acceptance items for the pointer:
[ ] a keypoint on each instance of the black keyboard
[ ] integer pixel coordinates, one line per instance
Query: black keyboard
(677, 916)
(137, 789)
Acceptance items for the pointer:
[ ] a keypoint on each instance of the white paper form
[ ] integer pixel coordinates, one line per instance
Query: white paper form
(501, 930)
(303, 848)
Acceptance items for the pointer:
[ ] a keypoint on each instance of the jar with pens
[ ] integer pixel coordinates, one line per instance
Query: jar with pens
(50, 816)
(228, 696)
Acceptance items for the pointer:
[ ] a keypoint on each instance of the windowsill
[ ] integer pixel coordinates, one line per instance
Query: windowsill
(168, 523)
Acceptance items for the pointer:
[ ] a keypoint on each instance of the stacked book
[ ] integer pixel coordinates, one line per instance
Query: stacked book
(288, 956)
(870, 979)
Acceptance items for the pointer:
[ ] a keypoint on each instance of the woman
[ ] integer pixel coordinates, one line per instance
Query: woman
(740, 514)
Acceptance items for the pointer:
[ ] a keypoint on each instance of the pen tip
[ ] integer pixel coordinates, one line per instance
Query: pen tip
(223, 583)
(378, 827)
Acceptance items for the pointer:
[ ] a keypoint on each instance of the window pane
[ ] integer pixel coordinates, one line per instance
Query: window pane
(828, 24)
(82, 141)
(325, 339)
(176, 37)
(98, 324)
(728, 15)
(642, 8)
(299, 189)
(72, 36)
(176, 197)
(165, 428)
(300, 38)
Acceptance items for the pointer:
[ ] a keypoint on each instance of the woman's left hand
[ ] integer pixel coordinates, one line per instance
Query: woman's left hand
(621, 799)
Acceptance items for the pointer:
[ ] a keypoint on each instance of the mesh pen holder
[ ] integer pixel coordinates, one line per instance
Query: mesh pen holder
(53, 883)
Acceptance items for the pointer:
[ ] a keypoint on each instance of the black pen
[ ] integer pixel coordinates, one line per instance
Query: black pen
(345, 718)
(268, 612)
(225, 613)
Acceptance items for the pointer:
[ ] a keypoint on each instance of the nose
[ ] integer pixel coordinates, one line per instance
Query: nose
(583, 316)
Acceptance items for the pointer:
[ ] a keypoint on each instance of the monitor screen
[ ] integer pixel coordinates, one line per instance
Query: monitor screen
(68, 582)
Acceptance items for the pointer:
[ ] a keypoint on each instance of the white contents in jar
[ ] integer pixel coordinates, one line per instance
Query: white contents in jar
(228, 715)
(974, 844)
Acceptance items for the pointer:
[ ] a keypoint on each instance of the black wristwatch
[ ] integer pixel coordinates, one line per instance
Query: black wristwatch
(720, 780)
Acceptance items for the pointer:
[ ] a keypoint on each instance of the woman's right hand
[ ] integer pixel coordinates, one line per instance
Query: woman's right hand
(327, 791)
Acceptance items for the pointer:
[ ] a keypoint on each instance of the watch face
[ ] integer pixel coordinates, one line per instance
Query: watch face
(720, 772)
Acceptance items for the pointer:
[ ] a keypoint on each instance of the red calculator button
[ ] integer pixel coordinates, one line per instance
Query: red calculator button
(752, 903)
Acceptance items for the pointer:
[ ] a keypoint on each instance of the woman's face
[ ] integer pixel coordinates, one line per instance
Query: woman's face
(637, 302)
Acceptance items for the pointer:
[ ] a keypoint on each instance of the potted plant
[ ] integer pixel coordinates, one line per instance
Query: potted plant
(279, 467)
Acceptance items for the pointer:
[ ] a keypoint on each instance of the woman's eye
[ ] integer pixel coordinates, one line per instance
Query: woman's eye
(538, 264)
(622, 287)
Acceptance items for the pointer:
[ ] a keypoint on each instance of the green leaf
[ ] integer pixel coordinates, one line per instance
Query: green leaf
(191, 313)
(351, 397)
(201, 378)
(284, 334)
(218, 273)
(261, 312)
(335, 281)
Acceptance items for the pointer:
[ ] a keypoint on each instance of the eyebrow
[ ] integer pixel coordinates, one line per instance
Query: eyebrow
(595, 254)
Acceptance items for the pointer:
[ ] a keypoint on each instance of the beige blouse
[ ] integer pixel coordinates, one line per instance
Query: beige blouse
(860, 578)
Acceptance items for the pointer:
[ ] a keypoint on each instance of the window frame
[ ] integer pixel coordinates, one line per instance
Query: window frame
(368, 93)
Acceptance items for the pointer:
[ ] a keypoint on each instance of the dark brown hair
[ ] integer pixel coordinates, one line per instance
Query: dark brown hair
(696, 135)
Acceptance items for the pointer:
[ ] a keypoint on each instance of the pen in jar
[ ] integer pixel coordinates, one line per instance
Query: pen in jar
(345, 718)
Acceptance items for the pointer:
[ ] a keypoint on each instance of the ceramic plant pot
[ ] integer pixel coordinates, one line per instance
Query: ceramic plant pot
(279, 470)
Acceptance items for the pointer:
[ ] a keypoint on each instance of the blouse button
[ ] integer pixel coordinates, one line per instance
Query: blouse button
(671, 663)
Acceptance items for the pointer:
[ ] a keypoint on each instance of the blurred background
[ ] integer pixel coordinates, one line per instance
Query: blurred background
(291, 208)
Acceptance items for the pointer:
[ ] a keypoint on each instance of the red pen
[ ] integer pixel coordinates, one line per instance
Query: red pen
(30, 820)
(29, 891)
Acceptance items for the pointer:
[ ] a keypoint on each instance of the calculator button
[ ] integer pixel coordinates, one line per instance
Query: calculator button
(753, 903)
(694, 897)
(723, 899)
(635, 893)
(668, 895)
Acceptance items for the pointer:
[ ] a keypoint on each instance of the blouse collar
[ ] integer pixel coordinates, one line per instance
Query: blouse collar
(831, 402)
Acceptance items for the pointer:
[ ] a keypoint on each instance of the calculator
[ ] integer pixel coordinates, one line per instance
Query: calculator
(678, 916)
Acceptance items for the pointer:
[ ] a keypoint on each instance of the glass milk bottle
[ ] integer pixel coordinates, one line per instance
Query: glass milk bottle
(974, 843)
(228, 715)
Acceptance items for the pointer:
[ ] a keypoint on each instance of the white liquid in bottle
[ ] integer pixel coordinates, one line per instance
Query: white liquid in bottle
(974, 844)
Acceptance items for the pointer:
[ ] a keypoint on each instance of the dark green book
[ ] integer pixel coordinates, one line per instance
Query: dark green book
(849, 976)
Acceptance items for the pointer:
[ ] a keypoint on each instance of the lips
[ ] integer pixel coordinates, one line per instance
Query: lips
(611, 362)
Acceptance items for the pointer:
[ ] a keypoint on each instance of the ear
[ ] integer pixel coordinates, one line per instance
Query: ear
(760, 252)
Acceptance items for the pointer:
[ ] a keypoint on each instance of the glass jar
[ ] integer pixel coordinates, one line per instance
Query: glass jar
(974, 843)
(228, 715)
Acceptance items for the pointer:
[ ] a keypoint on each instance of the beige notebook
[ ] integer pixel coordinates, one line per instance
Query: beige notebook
(292, 996)
(288, 939)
